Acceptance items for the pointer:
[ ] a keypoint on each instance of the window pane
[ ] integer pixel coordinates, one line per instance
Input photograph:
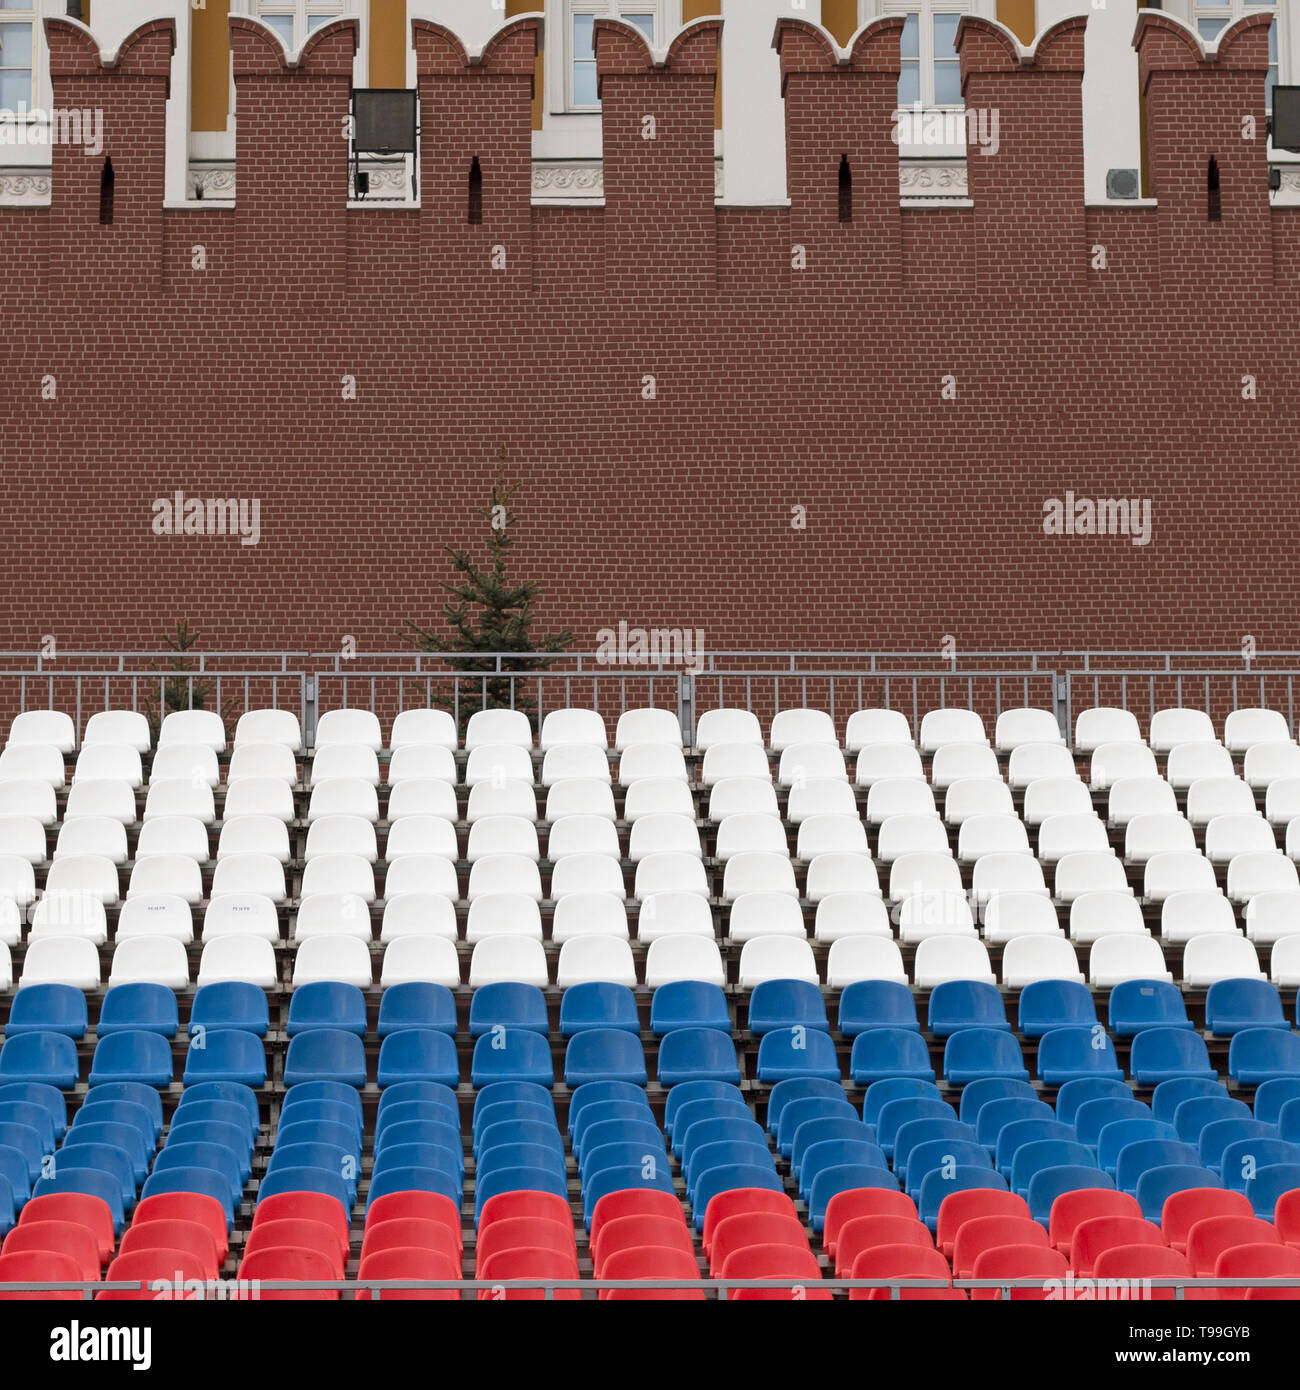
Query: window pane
(582, 36)
(909, 84)
(283, 25)
(17, 4)
(1209, 28)
(909, 44)
(15, 90)
(947, 84)
(16, 45)
(1272, 43)
(945, 35)
(316, 20)
(584, 85)
(644, 22)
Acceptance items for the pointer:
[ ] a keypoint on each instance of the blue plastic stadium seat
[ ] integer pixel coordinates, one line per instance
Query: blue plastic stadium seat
(7, 1214)
(322, 1180)
(47, 1058)
(622, 1128)
(794, 1052)
(47, 1009)
(133, 1056)
(506, 1180)
(226, 1092)
(941, 1154)
(418, 1054)
(1268, 1184)
(324, 1054)
(1169, 1095)
(1138, 1004)
(682, 1095)
(1218, 1135)
(889, 1052)
(147, 1007)
(417, 1004)
(118, 1112)
(894, 1114)
(216, 1157)
(1243, 1158)
(1094, 1115)
(781, 1004)
(135, 1091)
(495, 1092)
(1048, 1004)
(598, 1004)
(995, 1115)
(206, 1182)
(956, 1005)
(1135, 1159)
(710, 1109)
(439, 1135)
(742, 1151)
(421, 1153)
(507, 1004)
(633, 1180)
(604, 1054)
(1273, 1095)
(1031, 1129)
(28, 1142)
(93, 1183)
(1049, 1183)
(15, 1175)
(316, 1099)
(977, 1094)
(37, 1118)
(425, 1092)
(1043, 1155)
(1164, 1054)
(228, 1055)
(121, 1136)
(867, 1004)
(727, 1178)
(921, 1131)
(697, 1054)
(1157, 1185)
(797, 1113)
(106, 1158)
(1118, 1133)
(1191, 1116)
(1256, 1055)
(235, 1137)
(837, 1153)
(1065, 1054)
(820, 1128)
(976, 1053)
(1288, 1120)
(512, 1054)
(1076, 1093)
(327, 1004)
(230, 1004)
(1232, 1005)
(801, 1088)
(688, 1004)
(943, 1182)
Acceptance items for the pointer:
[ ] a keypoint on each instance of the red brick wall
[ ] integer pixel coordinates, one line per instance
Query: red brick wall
(776, 388)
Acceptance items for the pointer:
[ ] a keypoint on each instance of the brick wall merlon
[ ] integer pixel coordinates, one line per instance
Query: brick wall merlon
(984, 45)
(1166, 44)
(258, 52)
(145, 52)
(510, 52)
(807, 47)
(622, 50)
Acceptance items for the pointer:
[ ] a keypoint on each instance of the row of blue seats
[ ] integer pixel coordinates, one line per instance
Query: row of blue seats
(1230, 1007)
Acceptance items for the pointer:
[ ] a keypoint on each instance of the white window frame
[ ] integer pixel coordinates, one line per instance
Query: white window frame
(1229, 11)
(300, 11)
(560, 98)
(42, 89)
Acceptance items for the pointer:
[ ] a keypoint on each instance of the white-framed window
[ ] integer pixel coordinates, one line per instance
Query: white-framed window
(293, 20)
(930, 69)
(1213, 16)
(19, 41)
(580, 53)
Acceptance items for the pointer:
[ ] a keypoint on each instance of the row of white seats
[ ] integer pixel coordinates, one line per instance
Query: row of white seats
(1111, 961)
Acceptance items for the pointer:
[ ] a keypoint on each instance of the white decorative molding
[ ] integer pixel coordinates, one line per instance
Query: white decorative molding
(25, 188)
(211, 181)
(932, 178)
(571, 180)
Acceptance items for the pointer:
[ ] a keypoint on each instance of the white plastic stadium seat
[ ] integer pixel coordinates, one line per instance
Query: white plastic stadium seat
(754, 873)
(200, 727)
(955, 762)
(643, 760)
(61, 961)
(493, 835)
(507, 959)
(36, 801)
(673, 914)
(824, 797)
(583, 796)
(942, 958)
(1174, 726)
(498, 873)
(250, 873)
(1284, 963)
(1189, 762)
(249, 959)
(156, 914)
(976, 796)
(776, 958)
(181, 797)
(338, 873)
(51, 727)
(1114, 959)
(24, 837)
(278, 726)
(430, 959)
(923, 871)
(513, 798)
(751, 834)
(178, 875)
(809, 762)
(1266, 872)
(854, 958)
(682, 957)
(1207, 959)
(1245, 727)
(830, 874)
(573, 761)
(791, 727)
(158, 960)
(415, 835)
(666, 796)
(995, 874)
(879, 761)
(585, 914)
(588, 959)
(332, 914)
(489, 726)
(345, 762)
(727, 726)
(1139, 796)
(924, 915)
(418, 762)
(1089, 872)
(33, 762)
(648, 726)
(1010, 915)
(1266, 763)
(1104, 724)
(666, 834)
(981, 835)
(732, 761)
(84, 873)
(869, 728)
(1059, 836)
(188, 762)
(69, 914)
(181, 835)
(1027, 959)
(734, 796)
(262, 760)
(1231, 835)
(1017, 726)
(1208, 797)
(1031, 762)
(565, 728)
(765, 914)
(1113, 762)
(1195, 912)
(851, 914)
(901, 835)
(943, 726)
(1146, 836)
(241, 914)
(1272, 916)
(358, 727)
(820, 835)
(597, 835)
(1281, 801)
(671, 873)
(1056, 796)
(602, 873)
(256, 796)
(421, 914)
(1094, 915)
(124, 726)
(341, 958)
(1175, 872)
(423, 728)
(899, 796)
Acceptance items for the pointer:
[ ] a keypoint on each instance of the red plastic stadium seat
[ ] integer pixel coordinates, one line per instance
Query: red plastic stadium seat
(742, 1200)
(39, 1266)
(983, 1233)
(960, 1207)
(166, 1276)
(316, 1206)
(1182, 1210)
(639, 1201)
(1286, 1216)
(1259, 1262)
(1129, 1262)
(407, 1235)
(651, 1262)
(274, 1262)
(1100, 1233)
(296, 1233)
(93, 1212)
(410, 1262)
(60, 1238)
(523, 1233)
(754, 1228)
(528, 1264)
(417, 1206)
(1019, 1262)
(862, 1201)
(866, 1232)
(903, 1262)
(1210, 1237)
(525, 1203)
(1085, 1203)
(627, 1232)
(162, 1234)
(782, 1262)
